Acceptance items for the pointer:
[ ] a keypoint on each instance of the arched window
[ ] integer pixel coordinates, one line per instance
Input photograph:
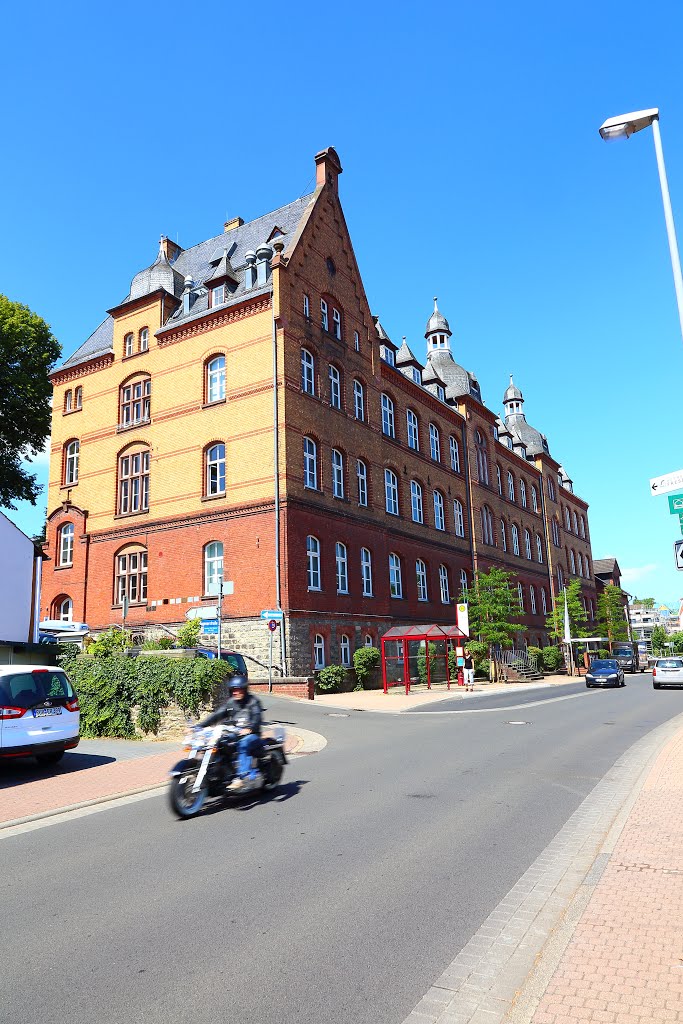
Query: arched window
(463, 583)
(567, 519)
(310, 464)
(345, 650)
(134, 481)
(134, 401)
(416, 501)
(362, 478)
(582, 527)
(520, 596)
(68, 400)
(575, 522)
(560, 577)
(580, 561)
(534, 499)
(366, 571)
(555, 531)
(391, 492)
(319, 651)
(539, 548)
(78, 396)
(503, 536)
(71, 456)
(586, 567)
(64, 608)
(335, 387)
(313, 561)
(395, 580)
(131, 575)
(551, 489)
(337, 324)
(342, 560)
(458, 519)
(511, 487)
(572, 562)
(215, 379)
(215, 470)
(337, 473)
(143, 340)
(213, 567)
(486, 525)
(388, 417)
(439, 514)
(412, 427)
(499, 480)
(527, 544)
(515, 539)
(128, 345)
(421, 578)
(482, 459)
(368, 640)
(522, 493)
(66, 544)
(544, 603)
(324, 315)
(444, 586)
(455, 454)
(359, 401)
(434, 443)
(532, 600)
(307, 372)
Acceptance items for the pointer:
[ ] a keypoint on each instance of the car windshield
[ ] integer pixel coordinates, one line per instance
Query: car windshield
(26, 689)
(622, 652)
(237, 662)
(670, 663)
(604, 665)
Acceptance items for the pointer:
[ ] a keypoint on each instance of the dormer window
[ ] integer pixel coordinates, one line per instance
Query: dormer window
(417, 377)
(387, 354)
(440, 393)
(218, 295)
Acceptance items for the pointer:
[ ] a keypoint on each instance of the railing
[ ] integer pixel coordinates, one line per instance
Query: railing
(519, 661)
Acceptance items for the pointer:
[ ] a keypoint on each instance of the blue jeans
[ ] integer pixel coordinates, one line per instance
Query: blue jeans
(248, 746)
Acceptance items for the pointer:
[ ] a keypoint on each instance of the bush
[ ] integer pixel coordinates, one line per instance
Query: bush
(365, 661)
(537, 654)
(188, 634)
(65, 652)
(422, 661)
(108, 688)
(164, 643)
(112, 641)
(482, 668)
(552, 658)
(602, 653)
(331, 678)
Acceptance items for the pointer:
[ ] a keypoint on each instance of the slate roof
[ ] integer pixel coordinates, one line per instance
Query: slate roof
(605, 566)
(437, 322)
(404, 357)
(513, 393)
(457, 380)
(199, 263)
(535, 441)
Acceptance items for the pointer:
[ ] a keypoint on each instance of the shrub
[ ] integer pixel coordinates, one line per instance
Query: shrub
(535, 653)
(65, 652)
(422, 661)
(552, 658)
(482, 668)
(188, 634)
(163, 643)
(602, 653)
(365, 661)
(108, 688)
(112, 641)
(331, 678)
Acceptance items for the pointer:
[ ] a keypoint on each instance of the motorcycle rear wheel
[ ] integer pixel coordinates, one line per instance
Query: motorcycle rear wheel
(273, 769)
(183, 801)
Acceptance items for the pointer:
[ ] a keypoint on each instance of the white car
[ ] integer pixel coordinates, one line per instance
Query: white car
(39, 714)
(667, 672)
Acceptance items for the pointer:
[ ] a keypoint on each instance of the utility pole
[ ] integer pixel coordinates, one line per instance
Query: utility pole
(220, 612)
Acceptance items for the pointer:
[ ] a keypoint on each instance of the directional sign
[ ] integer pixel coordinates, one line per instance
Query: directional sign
(669, 482)
(271, 614)
(675, 503)
(678, 554)
(209, 612)
(209, 625)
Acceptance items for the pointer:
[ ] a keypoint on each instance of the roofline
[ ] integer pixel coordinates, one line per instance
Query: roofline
(141, 300)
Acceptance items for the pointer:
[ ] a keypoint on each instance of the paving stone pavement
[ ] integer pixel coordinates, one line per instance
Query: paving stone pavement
(593, 930)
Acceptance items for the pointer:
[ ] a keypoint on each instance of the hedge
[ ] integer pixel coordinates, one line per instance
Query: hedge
(109, 687)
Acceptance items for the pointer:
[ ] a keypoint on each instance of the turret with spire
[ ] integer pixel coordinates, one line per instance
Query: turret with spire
(513, 400)
(438, 331)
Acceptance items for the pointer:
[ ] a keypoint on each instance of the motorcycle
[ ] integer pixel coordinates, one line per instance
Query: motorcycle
(210, 765)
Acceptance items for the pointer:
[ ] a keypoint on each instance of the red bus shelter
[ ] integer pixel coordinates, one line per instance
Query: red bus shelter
(407, 649)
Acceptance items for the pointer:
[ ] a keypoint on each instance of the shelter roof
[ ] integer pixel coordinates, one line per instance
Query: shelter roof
(433, 632)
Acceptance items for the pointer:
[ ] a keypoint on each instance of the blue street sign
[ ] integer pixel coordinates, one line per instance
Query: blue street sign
(271, 614)
(210, 626)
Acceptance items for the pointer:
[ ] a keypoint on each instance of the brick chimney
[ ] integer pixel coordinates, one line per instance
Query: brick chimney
(230, 225)
(327, 168)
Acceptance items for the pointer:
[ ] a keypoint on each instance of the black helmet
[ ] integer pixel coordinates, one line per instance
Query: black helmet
(238, 682)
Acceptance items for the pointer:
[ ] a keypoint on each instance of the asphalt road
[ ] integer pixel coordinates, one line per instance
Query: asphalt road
(341, 899)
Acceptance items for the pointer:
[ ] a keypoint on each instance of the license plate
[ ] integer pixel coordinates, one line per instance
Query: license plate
(43, 712)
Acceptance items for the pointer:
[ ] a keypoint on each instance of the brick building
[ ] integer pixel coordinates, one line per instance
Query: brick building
(385, 484)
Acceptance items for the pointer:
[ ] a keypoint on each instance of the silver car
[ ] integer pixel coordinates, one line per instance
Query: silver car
(667, 672)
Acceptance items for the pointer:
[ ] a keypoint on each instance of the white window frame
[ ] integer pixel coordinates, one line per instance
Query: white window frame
(336, 324)
(463, 583)
(534, 499)
(358, 401)
(313, 563)
(390, 492)
(307, 372)
(527, 544)
(554, 529)
(131, 576)
(66, 610)
(66, 544)
(444, 586)
(72, 456)
(362, 479)
(335, 387)
(215, 380)
(324, 316)
(455, 454)
(345, 650)
(503, 535)
(522, 493)
(134, 482)
(520, 597)
(458, 518)
(515, 539)
(434, 443)
(388, 424)
(582, 528)
(539, 548)
(307, 307)
(567, 520)
(310, 464)
(319, 651)
(544, 603)
(356, 341)
(486, 525)
(413, 430)
(499, 480)
(341, 555)
(366, 571)
(551, 489)
(128, 342)
(395, 576)
(511, 486)
(439, 511)
(68, 400)
(416, 506)
(575, 523)
(421, 580)
(213, 567)
(532, 598)
(143, 340)
(215, 470)
(337, 473)
(572, 562)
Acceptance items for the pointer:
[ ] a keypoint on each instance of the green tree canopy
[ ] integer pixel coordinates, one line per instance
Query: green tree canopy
(493, 608)
(27, 352)
(577, 615)
(660, 638)
(611, 619)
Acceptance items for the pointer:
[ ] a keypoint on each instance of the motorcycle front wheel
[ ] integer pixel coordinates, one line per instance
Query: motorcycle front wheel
(184, 802)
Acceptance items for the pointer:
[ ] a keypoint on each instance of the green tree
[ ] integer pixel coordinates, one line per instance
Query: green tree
(493, 608)
(577, 615)
(27, 353)
(188, 634)
(677, 640)
(611, 618)
(660, 638)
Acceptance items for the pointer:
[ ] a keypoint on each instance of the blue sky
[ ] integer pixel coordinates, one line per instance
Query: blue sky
(473, 170)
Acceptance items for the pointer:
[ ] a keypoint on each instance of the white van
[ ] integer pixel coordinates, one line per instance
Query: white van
(39, 714)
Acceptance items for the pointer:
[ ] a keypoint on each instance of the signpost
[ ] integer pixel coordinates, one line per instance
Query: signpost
(273, 623)
(668, 482)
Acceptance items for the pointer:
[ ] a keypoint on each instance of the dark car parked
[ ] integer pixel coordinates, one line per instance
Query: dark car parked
(234, 659)
(605, 672)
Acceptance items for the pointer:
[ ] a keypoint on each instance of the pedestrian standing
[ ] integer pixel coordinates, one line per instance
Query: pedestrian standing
(468, 667)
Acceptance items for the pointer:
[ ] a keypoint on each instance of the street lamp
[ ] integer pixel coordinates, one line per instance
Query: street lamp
(622, 127)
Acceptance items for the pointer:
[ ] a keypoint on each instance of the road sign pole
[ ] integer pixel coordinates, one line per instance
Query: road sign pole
(220, 613)
(270, 662)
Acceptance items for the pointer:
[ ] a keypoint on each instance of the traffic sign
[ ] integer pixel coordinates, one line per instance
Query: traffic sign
(272, 625)
(668, 482)
(271, 614)
(680, 520)
(678, 554)
(209, 625)
(209, 612)
(675, 503)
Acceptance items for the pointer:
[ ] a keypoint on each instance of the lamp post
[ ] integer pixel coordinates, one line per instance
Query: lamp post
(622, 127)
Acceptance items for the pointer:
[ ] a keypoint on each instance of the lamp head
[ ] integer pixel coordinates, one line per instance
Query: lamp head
(625, 125)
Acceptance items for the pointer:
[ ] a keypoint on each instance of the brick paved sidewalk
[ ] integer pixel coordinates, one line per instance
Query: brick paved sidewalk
(624, 962)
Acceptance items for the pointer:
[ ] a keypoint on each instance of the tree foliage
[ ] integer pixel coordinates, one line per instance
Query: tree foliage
(188, 634)
(493, 608)
(611, 618)
(27, 353)
(577, 615)
(660, 638)
(365, 662)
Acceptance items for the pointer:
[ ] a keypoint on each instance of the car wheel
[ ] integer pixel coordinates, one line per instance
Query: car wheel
(589, 686)
(50, 758)
(657, 686)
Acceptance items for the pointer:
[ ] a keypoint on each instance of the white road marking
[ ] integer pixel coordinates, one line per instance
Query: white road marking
(510, 707)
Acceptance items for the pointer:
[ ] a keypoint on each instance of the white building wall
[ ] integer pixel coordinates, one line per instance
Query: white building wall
(16, 583)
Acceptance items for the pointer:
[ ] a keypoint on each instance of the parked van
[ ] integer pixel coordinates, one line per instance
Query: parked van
(626, 654)
(39, 713)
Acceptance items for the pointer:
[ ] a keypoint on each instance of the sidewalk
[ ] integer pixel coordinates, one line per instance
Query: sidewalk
(396, 700)
(27, 795)
(624, 961)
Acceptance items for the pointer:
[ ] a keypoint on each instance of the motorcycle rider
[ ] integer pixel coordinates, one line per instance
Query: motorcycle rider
(243, 710)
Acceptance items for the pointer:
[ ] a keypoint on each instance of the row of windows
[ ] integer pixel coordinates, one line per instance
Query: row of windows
(331, 319)
(512, 490)
(320, 654)
(488, 536)
(142, 345)
(577, 522)
(73, 399)
(579, 563)
(395, 569)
